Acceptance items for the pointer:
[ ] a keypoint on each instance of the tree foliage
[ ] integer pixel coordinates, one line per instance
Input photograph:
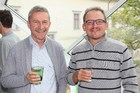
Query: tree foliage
(126, 22)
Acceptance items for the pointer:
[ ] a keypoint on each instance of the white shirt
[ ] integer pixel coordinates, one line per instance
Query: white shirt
(40, 57)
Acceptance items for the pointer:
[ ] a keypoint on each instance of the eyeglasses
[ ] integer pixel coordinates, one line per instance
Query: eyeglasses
(98, 22)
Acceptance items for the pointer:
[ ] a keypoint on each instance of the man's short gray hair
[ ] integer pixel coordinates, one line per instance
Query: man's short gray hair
(38, 9)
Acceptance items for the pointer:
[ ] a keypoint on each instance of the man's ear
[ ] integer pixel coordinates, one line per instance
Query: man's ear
(84, 27)
(1, 24)
(106, 25)
(28, 24)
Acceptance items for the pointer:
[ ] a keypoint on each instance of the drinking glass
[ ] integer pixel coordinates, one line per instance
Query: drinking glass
(39, 70)
(89, 68)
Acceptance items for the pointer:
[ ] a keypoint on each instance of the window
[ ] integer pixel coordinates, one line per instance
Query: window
(76, 20)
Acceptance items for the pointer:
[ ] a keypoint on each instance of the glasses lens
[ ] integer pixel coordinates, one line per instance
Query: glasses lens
(89, 22)
(98, 22)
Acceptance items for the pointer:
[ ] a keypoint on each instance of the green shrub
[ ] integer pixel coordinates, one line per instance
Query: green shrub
(137, 62)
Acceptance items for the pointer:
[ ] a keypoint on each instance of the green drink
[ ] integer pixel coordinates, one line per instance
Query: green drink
(39, 70)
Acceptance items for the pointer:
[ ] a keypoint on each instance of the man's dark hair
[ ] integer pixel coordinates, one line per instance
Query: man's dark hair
(93, 9)
(6, 18)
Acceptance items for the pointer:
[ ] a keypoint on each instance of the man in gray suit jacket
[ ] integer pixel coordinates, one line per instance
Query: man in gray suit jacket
(36, 50)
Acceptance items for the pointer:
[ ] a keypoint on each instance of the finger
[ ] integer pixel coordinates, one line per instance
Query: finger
(33, 78)
(37, 82)
(84, 75)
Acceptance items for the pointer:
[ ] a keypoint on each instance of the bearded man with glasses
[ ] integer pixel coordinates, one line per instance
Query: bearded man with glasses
(101, 64)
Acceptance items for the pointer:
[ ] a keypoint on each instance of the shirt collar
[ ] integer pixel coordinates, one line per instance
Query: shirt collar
(34, 43)
(99, 43)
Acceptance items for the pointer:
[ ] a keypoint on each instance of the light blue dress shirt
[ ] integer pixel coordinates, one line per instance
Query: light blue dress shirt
(40, 57)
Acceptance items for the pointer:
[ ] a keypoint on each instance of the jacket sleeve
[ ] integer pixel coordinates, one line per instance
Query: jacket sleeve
(128, 74)
(71, 70)
(10, 78)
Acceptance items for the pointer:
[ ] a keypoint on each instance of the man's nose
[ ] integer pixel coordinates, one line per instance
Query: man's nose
(94, 24)
(41, 25)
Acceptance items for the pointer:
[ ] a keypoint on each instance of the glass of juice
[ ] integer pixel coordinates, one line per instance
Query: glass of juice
(39, 70)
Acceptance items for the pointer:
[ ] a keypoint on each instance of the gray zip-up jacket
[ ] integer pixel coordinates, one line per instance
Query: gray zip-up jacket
(19, 63)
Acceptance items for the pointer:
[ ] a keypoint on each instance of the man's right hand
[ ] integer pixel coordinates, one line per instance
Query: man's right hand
(33, 78)
(82, 75)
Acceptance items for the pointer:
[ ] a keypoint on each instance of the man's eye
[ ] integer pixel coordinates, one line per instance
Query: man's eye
(45, 22)
(35, 21)
(99, 21)
(89, 22)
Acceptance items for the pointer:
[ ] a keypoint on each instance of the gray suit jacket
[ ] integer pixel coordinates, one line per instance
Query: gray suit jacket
(19, 63)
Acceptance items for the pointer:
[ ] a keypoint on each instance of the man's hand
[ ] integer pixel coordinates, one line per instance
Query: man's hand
(82, 75)
(33, 78)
